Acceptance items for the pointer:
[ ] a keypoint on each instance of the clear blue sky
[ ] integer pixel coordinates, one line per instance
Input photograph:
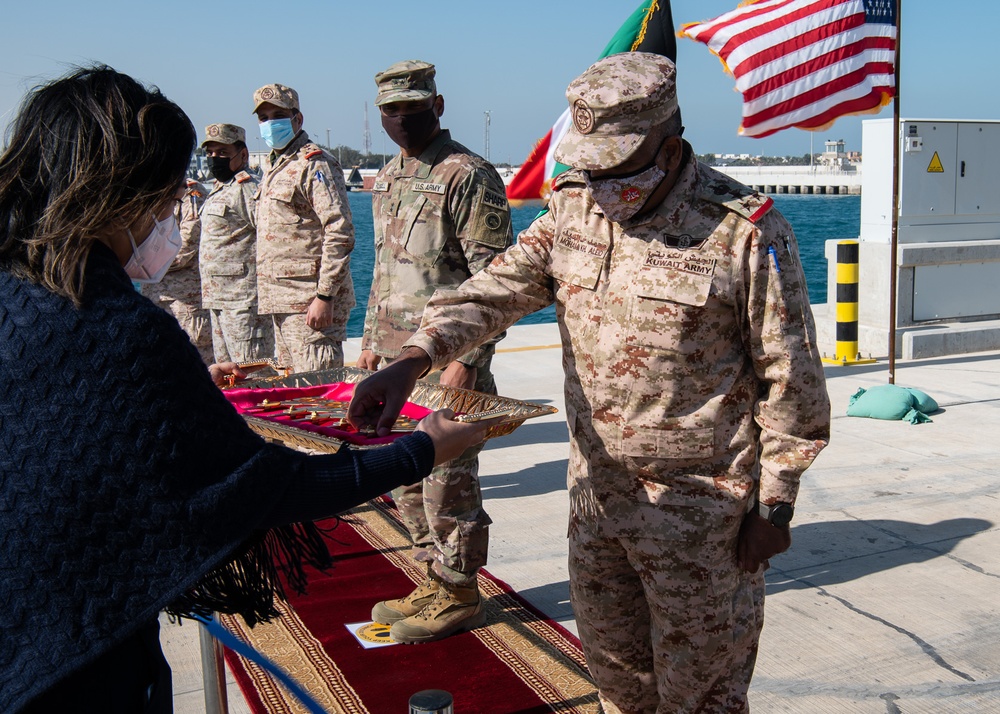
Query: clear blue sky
(513, 58)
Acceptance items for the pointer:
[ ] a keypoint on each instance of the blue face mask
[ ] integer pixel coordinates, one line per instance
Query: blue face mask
(277, 133)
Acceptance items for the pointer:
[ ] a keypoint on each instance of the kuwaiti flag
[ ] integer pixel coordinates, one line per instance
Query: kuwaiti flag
(805, 63)
(649, 29)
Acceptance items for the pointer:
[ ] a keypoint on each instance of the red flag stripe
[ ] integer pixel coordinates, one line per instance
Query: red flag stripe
(858, 52)
(805, 116)
(792, 51)
(870, 102)
(529, 180)
(710, 28)
(826, 32)
(805, 62)
(794, 22)
(805, 99)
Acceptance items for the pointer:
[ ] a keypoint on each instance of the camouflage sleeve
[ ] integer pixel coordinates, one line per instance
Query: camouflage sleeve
(327, 194)
(793, 413)
(481, 217)
(190, 225)
(247, 208)
(512, 286)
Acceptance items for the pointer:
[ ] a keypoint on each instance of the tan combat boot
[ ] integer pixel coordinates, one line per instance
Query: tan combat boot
(453, 609)
(390, 611)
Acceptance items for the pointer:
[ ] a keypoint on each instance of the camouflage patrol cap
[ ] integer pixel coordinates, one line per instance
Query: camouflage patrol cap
(406, 81)
(277, 94)
(224, 134)
(614, 105)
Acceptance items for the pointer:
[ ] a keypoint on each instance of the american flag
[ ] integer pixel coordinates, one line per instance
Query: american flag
(804, 63)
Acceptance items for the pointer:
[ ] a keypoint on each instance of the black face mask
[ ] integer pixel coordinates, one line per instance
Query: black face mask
(411, 131)
(218, 166)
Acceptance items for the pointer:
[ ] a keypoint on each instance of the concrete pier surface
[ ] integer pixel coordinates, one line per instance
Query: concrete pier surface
(887, 601)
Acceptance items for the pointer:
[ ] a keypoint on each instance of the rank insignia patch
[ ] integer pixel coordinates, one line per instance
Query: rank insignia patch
(684, 241)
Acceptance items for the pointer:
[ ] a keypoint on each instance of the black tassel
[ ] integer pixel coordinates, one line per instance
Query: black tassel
(248, 584)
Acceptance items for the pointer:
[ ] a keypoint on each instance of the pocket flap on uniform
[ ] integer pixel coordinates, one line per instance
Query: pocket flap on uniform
(678, 276)
(215, 208)
(670, 444)
(284, 192)
(228, 269)
(577, 260)
(295, 269)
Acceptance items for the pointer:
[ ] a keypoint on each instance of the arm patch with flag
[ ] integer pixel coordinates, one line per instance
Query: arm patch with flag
(804, 63)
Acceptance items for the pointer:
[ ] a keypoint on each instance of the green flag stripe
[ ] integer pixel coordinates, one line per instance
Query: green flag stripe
(623, 39)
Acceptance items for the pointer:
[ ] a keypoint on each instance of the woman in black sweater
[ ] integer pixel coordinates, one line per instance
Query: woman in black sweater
(128, 484)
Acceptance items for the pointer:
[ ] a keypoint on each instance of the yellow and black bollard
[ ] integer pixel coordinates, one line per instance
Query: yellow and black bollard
(847, 306)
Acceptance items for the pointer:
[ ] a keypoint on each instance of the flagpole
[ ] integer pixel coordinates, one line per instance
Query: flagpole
(894, 234)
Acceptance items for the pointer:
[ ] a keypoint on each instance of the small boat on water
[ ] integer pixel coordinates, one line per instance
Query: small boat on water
(354, 181)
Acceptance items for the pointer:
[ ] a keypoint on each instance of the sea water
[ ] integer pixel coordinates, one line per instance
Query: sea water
(815, 220)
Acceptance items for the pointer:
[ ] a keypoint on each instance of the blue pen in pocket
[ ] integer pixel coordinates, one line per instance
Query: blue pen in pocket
(774, 256)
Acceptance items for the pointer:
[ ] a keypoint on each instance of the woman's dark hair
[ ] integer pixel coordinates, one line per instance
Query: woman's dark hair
(88, 152)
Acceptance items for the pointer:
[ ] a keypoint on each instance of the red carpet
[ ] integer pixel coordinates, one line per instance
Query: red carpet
(518, 662)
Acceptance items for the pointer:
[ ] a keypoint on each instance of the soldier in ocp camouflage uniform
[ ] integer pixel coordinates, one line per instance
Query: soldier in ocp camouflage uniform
(694, 388)
(304, 239)
(228, 255)
(441, 215)
(179, 293)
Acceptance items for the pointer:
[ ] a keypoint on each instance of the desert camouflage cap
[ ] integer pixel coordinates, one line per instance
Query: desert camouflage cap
(277, 94)
(406, 81)
(224, 134)
(613, 105)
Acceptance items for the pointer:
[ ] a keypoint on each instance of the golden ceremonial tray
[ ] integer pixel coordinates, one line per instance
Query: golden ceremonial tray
(425, 394)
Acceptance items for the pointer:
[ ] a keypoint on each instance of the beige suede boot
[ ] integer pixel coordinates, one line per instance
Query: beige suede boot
(453, 609)
(390, 611)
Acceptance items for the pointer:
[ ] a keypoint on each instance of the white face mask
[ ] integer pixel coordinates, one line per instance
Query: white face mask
(151, 259)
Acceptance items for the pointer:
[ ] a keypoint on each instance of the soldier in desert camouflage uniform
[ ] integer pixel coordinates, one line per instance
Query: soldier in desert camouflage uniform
(693, 387)
(179, 293)
(441, 215)
(228, 255)
(304, 239)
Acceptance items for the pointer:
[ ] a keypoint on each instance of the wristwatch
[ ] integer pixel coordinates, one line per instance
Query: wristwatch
(777, 514)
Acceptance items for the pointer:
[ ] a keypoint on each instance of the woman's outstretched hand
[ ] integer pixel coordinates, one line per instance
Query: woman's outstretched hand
(451, 438)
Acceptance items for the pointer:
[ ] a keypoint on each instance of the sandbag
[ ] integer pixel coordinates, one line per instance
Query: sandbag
(892, 402)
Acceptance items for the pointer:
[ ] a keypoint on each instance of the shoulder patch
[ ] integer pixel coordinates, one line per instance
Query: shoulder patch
(718, 188)
(314, 153)
(566, 178)
(494, 199)
(243, 177)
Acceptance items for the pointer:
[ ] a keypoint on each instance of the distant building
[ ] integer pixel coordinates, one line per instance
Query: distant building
(835, 156)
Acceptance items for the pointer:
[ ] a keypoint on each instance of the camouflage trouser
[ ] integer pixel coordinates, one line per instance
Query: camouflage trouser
(241, 335)
(444, 512)
(668, 622)
(194, 321)
(304, 349)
